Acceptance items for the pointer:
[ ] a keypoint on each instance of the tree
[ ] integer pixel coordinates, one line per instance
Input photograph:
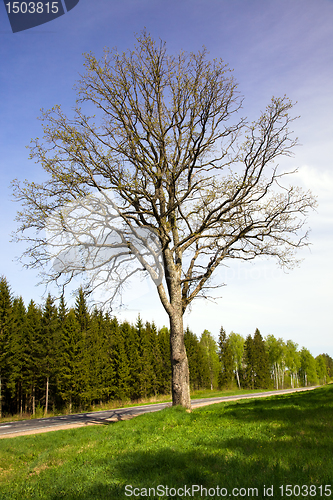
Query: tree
(329, 364)
(276, 352)
(236, 342)
(250, 362)
(197, 360)
(32, 351)
(16, 352)
(169, 181)
(209, 347)
(49, 345)
(72, 363)
(163, 338)
(308, 367)
(261, 362)
(321, 368)
(256, 362)
(226, 360)
(6, 303)
(293, 362)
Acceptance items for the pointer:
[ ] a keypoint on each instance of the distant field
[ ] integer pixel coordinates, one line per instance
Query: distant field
(236, 450)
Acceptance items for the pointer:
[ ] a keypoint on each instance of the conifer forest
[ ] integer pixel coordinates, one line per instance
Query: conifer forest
(59, 358)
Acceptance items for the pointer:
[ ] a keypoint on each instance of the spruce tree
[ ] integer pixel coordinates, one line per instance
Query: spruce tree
(125, 359)
(17, 340)
(163, 338)
(156, 358)
(198, 362)
(261, 363)
(81, 311)
(226, 373)
(249, 362)
(100, 368)
(32, 351)
(149, 360)
(5, 315)
(49, 346)
(192, 347)
(71, 382)
(131, 335)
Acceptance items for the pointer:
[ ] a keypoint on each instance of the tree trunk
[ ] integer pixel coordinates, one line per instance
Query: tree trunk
(33, 401)
(47, 396)
(180, 371)
(0, 398)
(276, 377)
(237, 376)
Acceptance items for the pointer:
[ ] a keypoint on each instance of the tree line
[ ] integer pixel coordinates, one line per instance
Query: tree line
(55, 357)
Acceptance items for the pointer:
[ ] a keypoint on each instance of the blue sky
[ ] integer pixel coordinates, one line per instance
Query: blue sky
(275, 47)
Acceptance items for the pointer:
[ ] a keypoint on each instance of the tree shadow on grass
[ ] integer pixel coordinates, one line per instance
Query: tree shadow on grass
(207, 469)
(286, 450)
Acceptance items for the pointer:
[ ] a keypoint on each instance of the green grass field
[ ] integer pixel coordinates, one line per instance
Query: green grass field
(197, 394)
(278, 441)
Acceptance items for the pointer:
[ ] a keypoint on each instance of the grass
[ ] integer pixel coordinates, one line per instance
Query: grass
(258, 443)
(111, 405)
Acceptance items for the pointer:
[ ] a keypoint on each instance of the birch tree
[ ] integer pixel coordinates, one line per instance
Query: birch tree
(236, 342)
(166, 179)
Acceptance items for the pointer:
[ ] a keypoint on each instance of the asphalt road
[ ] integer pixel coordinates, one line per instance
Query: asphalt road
(34, 426)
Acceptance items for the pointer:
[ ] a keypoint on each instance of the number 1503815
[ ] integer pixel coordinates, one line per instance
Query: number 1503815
(305, 490)
(32, 7)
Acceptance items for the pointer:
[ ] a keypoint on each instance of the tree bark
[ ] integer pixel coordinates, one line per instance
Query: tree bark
(47, 396)
(0, 397)
(179, 363)
(237, 376)
(33, 401)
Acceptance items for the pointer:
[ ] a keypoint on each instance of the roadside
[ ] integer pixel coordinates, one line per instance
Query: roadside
(38, 426)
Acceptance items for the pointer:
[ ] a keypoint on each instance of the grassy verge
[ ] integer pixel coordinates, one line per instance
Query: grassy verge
(198, 394)
(261, 443)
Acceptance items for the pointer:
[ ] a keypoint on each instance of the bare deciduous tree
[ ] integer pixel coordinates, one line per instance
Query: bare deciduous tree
(180, 164)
